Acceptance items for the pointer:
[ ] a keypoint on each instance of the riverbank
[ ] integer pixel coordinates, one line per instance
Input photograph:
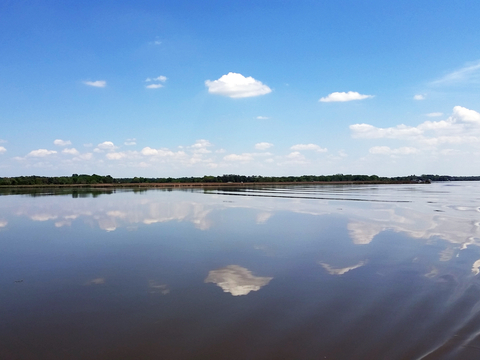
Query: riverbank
(204, 185)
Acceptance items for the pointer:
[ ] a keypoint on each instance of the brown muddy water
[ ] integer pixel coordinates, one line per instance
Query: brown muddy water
(295, 272)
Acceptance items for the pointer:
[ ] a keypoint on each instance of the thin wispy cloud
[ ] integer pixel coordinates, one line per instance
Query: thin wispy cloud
(262, 118)
(470, 73)
(2, 149)
(434, 114)
(344, 96)
(236, 85)
(130, 142)
(419, 97)
(98, 83)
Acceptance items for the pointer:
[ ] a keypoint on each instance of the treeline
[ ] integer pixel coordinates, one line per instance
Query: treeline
(84, 179)
(57, 180)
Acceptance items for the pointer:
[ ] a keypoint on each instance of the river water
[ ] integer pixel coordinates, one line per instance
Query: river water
(294, 272)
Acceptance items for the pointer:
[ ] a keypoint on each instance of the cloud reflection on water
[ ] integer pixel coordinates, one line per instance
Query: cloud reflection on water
(340, 271)
(236, 280)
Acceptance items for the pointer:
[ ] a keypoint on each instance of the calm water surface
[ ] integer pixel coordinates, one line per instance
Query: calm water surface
(304, 272)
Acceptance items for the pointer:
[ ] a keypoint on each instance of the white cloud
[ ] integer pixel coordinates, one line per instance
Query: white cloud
(2, 149)
(71, 151)
(98, 83)
(465, 115)
(62, 142)
(148, 151)
(130, 142)
(154, 86)
(367, 131)
(469, 73)
(344, 96)
(262, 118)
(300, 147)
(263, 146)
(41, 153)
(385, 150)
(3, 141)
(236, 85)
(86, 156)
(159, 78)
(202, 143)
(106, 145)
(462, 127)
(295, 155)
(419, 97)
(434, 114)
(234, 157)
(116, 155)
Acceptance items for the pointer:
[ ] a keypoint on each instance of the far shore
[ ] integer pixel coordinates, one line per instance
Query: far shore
(206, 184)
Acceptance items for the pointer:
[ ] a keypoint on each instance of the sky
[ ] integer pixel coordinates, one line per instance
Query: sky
(265, 87)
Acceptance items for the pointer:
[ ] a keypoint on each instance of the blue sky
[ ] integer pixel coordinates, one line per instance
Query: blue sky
(189, 88)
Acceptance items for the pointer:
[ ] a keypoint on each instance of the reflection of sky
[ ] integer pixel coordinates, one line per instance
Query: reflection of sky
(236, 280)
(166, 254)
(441, 210)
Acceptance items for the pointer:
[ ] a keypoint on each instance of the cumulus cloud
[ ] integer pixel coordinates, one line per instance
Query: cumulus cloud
(295, 155)
(202, 143)
(2, 149)
(242, 158)
(161, 153)
(86, 156)
(419, 97)
(160, 78)
(300, 147)
(106, 145)
(71, 151)
(461, 127)
(434, 114)
(344, 96)
(367, 131)
(116, 155)
(154, 86)
(236, 85)
(41, 153)
(98, 83)
(263, 146)
(385, 150)
(59, 142)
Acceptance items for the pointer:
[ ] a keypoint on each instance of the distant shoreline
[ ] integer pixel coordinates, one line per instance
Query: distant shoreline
(206, 184)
